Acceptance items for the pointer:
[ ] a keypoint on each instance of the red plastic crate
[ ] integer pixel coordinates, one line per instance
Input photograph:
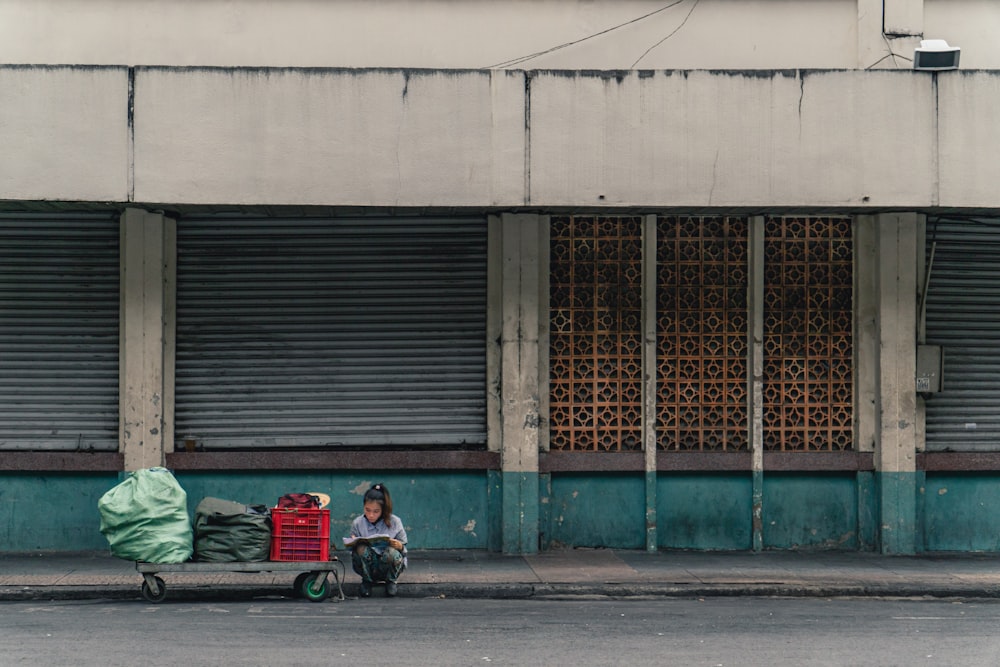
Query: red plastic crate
(300, 534)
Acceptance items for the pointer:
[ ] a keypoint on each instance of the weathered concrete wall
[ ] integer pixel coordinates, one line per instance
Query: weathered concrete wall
(707, 34)
(395, 138)
(732, 139)
(64, 133)
(380, 137)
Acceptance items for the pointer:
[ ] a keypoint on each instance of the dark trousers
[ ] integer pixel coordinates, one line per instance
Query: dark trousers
(373, 566)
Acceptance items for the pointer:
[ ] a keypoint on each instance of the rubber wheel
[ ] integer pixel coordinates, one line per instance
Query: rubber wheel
(307, 590)
(148, 594)
(299, 582)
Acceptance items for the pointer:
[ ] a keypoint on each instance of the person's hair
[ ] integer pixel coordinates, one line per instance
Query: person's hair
(379, 494)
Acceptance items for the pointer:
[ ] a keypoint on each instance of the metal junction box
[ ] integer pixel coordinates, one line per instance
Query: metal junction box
(930, 369)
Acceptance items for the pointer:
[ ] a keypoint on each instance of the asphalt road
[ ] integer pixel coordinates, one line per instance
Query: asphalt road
(714, 632)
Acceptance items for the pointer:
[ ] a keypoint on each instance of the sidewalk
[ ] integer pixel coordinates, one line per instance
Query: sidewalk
(595, 572)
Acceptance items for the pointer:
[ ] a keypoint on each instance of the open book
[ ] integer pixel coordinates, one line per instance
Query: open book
(371, 539)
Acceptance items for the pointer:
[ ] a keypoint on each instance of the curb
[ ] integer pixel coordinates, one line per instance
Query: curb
(522, 591)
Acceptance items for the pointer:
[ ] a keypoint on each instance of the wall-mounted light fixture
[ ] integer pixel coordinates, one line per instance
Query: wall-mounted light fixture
(934, 55)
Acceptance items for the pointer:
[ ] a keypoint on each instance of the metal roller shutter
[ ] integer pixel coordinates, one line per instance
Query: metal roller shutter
(331, 332)
(59, 310)
(963, 316)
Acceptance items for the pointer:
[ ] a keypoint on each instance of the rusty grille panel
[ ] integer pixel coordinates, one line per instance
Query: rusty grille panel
(595, 333)
(808, 342)
(701, 334)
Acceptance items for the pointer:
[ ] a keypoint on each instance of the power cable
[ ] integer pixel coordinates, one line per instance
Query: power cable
(646, 52)
(516, 61)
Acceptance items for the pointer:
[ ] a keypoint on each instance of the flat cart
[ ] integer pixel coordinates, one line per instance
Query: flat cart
(313, 583)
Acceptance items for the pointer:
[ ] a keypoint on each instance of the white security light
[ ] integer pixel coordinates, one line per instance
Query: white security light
(934, 55)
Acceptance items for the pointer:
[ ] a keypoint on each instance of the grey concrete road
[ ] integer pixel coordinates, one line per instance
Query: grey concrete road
(716, 632)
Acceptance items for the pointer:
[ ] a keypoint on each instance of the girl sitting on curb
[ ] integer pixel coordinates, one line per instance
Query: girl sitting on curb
(382, 559)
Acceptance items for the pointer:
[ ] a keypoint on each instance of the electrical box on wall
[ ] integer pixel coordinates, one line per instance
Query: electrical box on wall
(930, 369)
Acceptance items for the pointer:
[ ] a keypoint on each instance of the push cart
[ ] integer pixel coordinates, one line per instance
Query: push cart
(313, 583)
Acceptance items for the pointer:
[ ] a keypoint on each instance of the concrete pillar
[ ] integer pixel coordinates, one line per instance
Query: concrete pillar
(755, 383)
(148, 246)
(649, 373)
(867, 349)
(524, 290)
(895, 454)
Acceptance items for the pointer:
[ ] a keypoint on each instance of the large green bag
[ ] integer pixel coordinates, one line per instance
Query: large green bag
(145, 518)
(229, 531)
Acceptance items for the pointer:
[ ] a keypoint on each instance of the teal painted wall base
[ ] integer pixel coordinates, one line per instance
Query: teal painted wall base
(810, 511)
(705, 511)
(441, 510)
(522, 513)
(52, 512)
(598, 510)
(897, 501)
(961, 512)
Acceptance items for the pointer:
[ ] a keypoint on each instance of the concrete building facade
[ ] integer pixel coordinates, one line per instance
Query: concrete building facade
(633, 274)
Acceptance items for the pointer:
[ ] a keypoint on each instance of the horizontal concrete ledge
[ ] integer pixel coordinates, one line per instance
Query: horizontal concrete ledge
(959, 461)
(817, 461)
(18, 461)
(62, 461)
(353, 460)
(704, 461)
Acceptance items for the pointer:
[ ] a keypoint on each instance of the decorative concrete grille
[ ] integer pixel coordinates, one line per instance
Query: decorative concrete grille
(701, 337)
(701, 334)
(808, 341)
(595, 333)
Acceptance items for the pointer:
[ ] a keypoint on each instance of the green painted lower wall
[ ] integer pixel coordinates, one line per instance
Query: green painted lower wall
(957, 512)
(519, 512)
(897, 495)
(440, 509)
(704, 511)
(961, 512)
(52, 512)
(597, 510)
(810, 511)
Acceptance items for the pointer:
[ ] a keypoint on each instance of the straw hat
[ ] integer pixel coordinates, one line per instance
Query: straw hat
(324, 498)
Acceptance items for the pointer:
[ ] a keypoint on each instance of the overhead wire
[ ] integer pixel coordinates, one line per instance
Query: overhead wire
(674, 31)
(531, 56)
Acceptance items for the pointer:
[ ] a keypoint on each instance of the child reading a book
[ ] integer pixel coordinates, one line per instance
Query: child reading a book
(378, 542)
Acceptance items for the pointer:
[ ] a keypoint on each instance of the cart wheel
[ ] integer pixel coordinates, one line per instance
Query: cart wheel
(147, 593)
(299, 583)
(315, 587)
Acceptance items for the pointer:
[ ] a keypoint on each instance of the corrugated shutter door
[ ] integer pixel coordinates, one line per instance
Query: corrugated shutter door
(963, 316)
(59, 311)
(331, 332)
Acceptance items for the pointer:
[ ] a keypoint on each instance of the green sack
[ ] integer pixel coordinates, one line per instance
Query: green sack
(145, 518)
(227, 531)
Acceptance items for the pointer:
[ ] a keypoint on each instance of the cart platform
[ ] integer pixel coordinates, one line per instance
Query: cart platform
(313, 584)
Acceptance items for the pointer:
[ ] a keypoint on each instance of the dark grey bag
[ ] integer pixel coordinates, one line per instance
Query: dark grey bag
(227, 531)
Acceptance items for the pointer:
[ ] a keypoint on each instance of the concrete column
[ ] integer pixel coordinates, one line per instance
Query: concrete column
(755, 383)
(521, 311)
(867, 349)
(148, 242)
(649, 372)
(895, 454)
